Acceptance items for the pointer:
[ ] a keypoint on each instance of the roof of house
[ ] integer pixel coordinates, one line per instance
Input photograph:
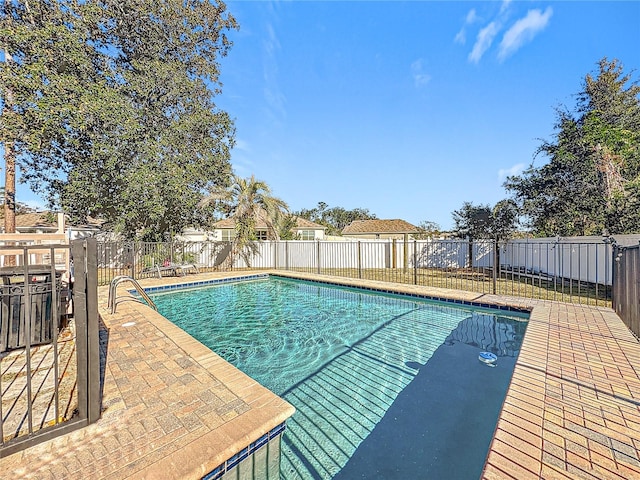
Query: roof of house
(50, 219)
(304, 223)
(362, 227)
(37, 220)
(301, 223)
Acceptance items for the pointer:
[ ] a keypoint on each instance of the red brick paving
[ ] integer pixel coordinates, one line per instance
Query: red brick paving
(575, 387)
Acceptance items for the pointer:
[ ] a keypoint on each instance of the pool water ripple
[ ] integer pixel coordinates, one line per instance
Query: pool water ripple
(342, 357)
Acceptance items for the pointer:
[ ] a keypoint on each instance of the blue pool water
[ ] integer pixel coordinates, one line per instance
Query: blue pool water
(385, 386)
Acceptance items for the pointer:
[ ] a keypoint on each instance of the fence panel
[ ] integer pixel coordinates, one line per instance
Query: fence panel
(558, 270)
(626, 286)
(50, 372)
(552, 270)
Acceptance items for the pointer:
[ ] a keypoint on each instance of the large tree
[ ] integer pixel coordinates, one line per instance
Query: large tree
(427, 229)
(591, 183)
(335, 218)
(481, 222)
(108, 106)
(472, 221)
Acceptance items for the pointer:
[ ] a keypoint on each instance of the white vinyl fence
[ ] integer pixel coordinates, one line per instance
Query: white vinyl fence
(560, 265)
(587, 261)
(369, 254)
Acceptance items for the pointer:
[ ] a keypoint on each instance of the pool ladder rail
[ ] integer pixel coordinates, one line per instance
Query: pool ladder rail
(113, 301)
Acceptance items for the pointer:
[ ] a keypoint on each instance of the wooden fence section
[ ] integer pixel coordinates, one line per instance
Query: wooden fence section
(626, 285)
(42, 256)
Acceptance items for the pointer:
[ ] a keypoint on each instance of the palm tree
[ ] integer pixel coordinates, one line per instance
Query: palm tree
(248, 201)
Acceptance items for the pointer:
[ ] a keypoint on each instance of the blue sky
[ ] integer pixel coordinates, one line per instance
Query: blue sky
(410, 108)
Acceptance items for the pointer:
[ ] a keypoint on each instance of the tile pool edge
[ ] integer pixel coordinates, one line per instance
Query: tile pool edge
(236, 460)
(552, 379)
(201, 283)
(215, 448)
(441, 295)
(416, 291)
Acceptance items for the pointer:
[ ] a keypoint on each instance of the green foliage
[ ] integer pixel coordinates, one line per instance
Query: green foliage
(247, 201)
(109, 106)
(335, 218)
(504, 219)
(484, 222)
(286, 228)
(427, 229)
(590, 184)
(473, 221)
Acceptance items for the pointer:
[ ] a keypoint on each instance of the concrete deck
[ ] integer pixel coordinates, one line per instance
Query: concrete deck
(174, 409)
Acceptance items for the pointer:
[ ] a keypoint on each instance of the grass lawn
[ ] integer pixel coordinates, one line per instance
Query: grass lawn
(472, 280)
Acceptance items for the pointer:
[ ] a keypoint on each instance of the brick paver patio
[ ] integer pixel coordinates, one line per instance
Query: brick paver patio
(173, 409)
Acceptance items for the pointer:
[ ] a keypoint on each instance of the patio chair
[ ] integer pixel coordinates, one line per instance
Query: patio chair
(183, 268)
(177, 269)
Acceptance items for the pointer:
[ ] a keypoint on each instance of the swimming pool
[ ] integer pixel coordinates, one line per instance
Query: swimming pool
(385, 386)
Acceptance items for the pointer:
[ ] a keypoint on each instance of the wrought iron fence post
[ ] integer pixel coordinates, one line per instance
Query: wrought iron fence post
(93, 330)
(276, 245)
(27, 346)
(415, 262)
(133, 260)
(496, 265)
(405, 253)
(394, 261)
(286, 255)
(87, 330)
(359, 259)
(615, 275)
(606, 273)
(318, 256)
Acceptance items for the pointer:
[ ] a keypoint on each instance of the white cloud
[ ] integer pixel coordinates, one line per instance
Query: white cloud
(504, 6)
(523, 31)
(517, 169)
(483, 41)
(471, 16)
(273, 97)
(461, 36)
(275, 100)
(271, 44)
(420, 79)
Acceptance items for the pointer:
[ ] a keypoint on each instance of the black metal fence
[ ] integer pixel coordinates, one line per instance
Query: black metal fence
(626, 285)
(49, 354)
(577, 272)
(49, 347)
(142, 259)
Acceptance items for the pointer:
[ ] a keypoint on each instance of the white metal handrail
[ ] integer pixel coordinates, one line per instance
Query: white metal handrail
(113, 300)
